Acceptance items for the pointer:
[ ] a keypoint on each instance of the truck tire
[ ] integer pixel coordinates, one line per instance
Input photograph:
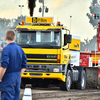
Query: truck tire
(22, 85)
(81, 84)
(67, 84)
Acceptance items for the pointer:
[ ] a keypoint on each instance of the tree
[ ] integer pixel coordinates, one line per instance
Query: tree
(90, 44)
(6, 24)
(94, 9)
(18, 20)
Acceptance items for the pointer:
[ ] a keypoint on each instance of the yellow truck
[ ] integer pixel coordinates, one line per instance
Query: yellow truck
(52, 54)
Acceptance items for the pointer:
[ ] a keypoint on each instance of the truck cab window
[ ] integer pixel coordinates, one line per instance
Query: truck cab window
(39, 38)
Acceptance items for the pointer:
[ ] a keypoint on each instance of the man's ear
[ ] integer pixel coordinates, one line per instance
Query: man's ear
(15, 38)
(5, 38)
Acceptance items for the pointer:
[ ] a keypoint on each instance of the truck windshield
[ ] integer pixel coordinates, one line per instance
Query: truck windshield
(39, 39)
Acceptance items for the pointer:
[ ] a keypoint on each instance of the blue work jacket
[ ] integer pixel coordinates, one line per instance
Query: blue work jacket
(13, 58)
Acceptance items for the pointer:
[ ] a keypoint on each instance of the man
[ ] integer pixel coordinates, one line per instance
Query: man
(29, 39)
(13, 64)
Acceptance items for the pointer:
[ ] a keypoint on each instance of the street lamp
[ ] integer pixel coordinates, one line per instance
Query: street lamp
(21, 11)
(21, 8)
(42, 9)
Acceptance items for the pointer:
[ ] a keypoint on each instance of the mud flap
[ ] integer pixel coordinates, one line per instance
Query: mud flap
(92, 77)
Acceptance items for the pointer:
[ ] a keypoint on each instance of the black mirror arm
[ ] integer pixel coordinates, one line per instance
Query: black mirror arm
(68, 30)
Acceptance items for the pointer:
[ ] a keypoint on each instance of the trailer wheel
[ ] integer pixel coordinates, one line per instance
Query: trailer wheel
(67, 84)
(81, 84)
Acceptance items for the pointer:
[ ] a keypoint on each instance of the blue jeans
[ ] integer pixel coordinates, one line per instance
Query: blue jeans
(10, 86)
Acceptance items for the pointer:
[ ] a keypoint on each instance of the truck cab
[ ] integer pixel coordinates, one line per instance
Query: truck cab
(47, 50)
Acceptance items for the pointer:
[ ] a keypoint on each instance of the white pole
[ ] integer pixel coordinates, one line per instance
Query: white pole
(21, 10)
(70, 23)
(95, 54)
(20, 13)
(43, 8)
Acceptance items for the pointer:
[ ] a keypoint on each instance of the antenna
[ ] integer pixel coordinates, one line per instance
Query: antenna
(70, 23)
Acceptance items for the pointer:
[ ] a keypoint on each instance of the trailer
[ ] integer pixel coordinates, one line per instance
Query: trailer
(91, 61)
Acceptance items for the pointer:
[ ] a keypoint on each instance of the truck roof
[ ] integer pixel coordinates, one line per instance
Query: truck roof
(39, 23)
(30, 27)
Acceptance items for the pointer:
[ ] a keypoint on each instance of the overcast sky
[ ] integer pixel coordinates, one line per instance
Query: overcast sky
(59, 9)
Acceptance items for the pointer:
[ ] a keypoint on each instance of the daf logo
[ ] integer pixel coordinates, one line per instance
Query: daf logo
(51, 56)
(77, 45)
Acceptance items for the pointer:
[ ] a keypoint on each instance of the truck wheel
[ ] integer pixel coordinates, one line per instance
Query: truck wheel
(22, 85)
(81, 84)
(67, 84)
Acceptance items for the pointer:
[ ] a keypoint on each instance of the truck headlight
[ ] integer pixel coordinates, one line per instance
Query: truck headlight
(56, 70)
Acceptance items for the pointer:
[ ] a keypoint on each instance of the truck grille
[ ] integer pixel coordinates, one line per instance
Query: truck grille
(42, 56)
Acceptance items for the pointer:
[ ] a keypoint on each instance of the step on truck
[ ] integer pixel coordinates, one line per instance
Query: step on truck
(52, 54)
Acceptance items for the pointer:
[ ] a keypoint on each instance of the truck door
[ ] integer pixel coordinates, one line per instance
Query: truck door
(65, 48)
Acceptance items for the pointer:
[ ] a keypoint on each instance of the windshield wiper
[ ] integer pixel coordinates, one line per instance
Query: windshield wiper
(24, 45)
(29, 45)
(43, 45)
(48, 45)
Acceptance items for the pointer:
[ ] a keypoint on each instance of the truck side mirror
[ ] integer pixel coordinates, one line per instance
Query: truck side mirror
(65, 39)
(69, 38)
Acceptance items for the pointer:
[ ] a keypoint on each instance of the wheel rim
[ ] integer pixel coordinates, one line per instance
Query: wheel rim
(83, 81)
(68, 82)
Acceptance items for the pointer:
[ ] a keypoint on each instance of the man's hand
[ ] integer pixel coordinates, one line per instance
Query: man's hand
(2, 72)
(22, 71)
